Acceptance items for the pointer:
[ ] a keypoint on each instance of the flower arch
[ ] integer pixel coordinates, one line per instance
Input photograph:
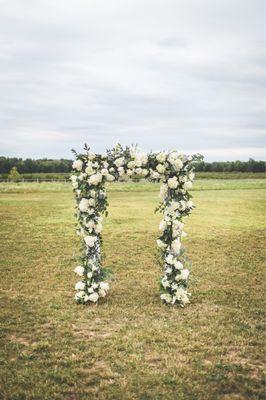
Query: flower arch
(91, 172)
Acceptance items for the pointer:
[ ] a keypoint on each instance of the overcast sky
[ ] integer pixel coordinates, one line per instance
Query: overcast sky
(183, 74)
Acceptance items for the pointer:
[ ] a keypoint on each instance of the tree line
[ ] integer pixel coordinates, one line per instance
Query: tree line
(29, 166)
(46, 165)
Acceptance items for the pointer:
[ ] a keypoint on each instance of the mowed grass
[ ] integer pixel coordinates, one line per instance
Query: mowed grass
(142, 186)
(131, 346)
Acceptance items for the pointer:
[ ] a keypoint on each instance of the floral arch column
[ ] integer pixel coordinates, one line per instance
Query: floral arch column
(91, 172)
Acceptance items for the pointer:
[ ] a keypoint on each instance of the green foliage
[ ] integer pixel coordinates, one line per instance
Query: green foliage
(14, 175)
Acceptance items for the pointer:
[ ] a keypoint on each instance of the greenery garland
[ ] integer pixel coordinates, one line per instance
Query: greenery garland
(91, 172)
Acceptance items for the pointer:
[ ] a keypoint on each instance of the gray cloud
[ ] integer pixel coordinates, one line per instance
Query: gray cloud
(176, 74)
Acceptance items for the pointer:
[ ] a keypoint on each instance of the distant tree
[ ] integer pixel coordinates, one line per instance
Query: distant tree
(45, 165)
(14, 175)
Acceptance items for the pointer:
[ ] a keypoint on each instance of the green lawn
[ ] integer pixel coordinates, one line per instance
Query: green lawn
(132, 346)
(143, 186)
(201, 175)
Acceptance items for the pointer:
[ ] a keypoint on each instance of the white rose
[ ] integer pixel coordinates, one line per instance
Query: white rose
(86, 298)
(161, 157)
(178, 224)
(190, 204)
(187, 185)
(171, 159)
(181, 295)
(174, 286)
(165, 282)
(75, 185)
(131, 164)
(166, 297)
(98, 228)
(182, 205)
(90, 240)
(161, 244)
(175, 232)
(172, 183)
(84, 205)
(129, 172)
(174, 205)
(91, 156)
(178, 265)
(184, 274)
(80, 285)
(89, 170)
(119, 162)
(162, 226)
(138, 171)
(102, 293)
(167, 219)
(160, 168)
(73, 178)
(94, 267)
(89, 275)
(79, 295)
(170, 259)
(144, 172)
(144, 159)
(79, 270)
(183, 178)
(155, 175)
(93, 297)
(178, 164)
(82, 176)
(104, 172)
(92, 202)
(110, 178)
(185, 300)
(77, 164)
(104, 286)
(121, 171)
(95, 179)
(176, 246)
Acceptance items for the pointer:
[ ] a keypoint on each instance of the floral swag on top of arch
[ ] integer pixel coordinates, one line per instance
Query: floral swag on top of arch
(91, 172)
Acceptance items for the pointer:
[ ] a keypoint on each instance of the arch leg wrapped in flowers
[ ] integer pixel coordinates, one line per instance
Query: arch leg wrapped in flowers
(90, 174)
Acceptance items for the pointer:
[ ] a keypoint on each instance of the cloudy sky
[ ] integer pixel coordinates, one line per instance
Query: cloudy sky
(184, 74)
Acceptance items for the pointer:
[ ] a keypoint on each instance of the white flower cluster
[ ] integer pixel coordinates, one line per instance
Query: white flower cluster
(88, 180)
(176, 203)
(91, 172)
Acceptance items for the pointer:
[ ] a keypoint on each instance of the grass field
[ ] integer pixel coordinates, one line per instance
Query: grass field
(200, 175)
(132, 347)
(143, 186)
